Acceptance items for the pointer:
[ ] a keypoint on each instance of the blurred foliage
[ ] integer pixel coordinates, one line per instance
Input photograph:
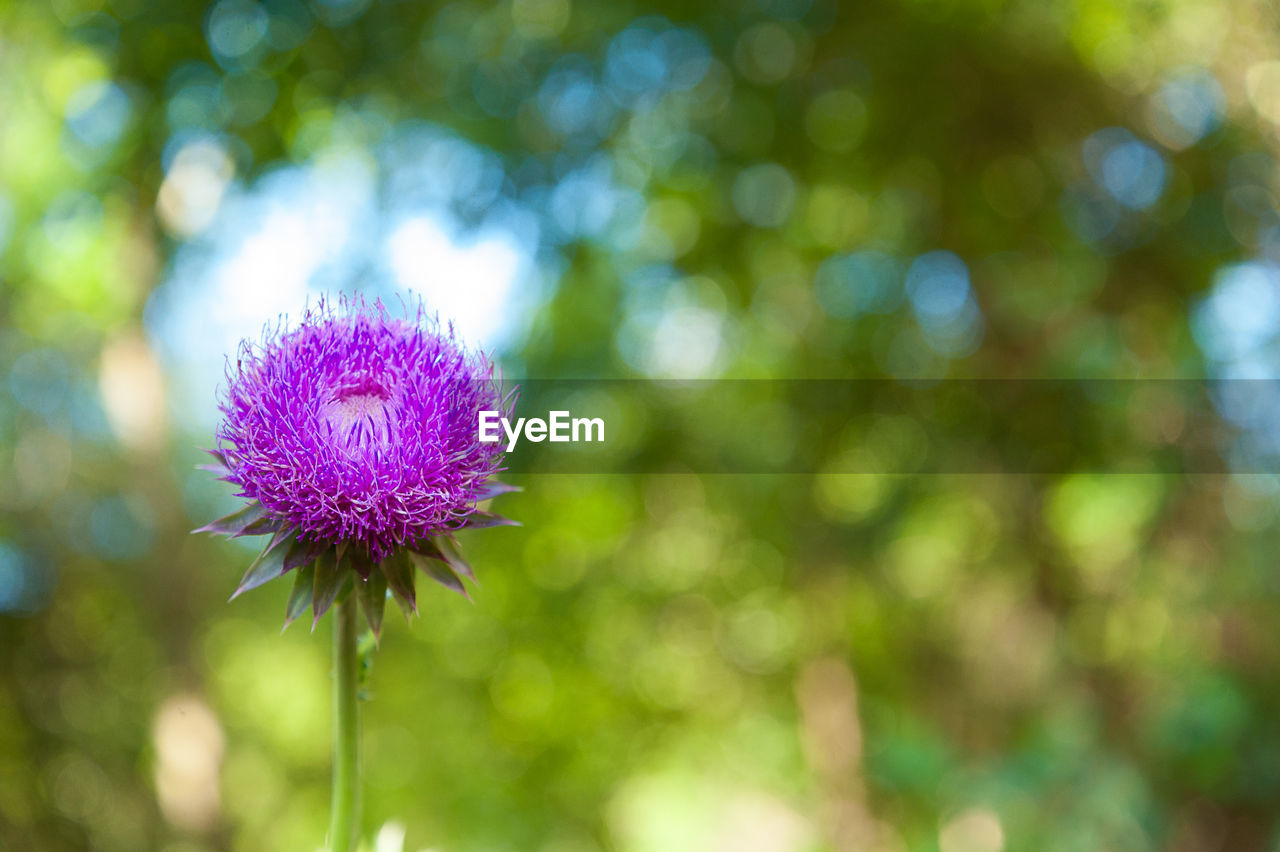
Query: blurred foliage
(775, 188)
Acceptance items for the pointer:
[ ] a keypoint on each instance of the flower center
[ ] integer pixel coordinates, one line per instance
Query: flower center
(359, 416)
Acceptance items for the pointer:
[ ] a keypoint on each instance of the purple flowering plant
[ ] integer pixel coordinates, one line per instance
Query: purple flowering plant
(353, 438)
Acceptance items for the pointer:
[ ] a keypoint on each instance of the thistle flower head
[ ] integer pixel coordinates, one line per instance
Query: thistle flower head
(353, 436)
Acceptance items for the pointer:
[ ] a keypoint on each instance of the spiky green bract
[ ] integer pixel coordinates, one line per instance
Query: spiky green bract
(323, 575)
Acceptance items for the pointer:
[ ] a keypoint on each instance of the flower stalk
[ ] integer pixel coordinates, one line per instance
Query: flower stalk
(353, 439)
(345, 803)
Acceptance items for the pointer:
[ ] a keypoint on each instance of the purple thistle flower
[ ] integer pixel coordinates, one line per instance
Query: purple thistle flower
(354, 436)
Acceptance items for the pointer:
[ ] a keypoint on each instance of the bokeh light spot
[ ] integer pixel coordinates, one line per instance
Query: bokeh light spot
(1131, 171)
(835, 120)
(98, 113)
(1185, 109)
(236, 31)
(764, 194)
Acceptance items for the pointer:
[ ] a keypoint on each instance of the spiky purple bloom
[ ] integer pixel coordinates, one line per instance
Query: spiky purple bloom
(355, 434)
(360, 427)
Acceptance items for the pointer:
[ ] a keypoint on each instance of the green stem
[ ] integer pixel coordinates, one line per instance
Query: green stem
(346, 731)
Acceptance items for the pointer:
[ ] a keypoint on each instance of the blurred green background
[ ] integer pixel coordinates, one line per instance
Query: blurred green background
(757, 189)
